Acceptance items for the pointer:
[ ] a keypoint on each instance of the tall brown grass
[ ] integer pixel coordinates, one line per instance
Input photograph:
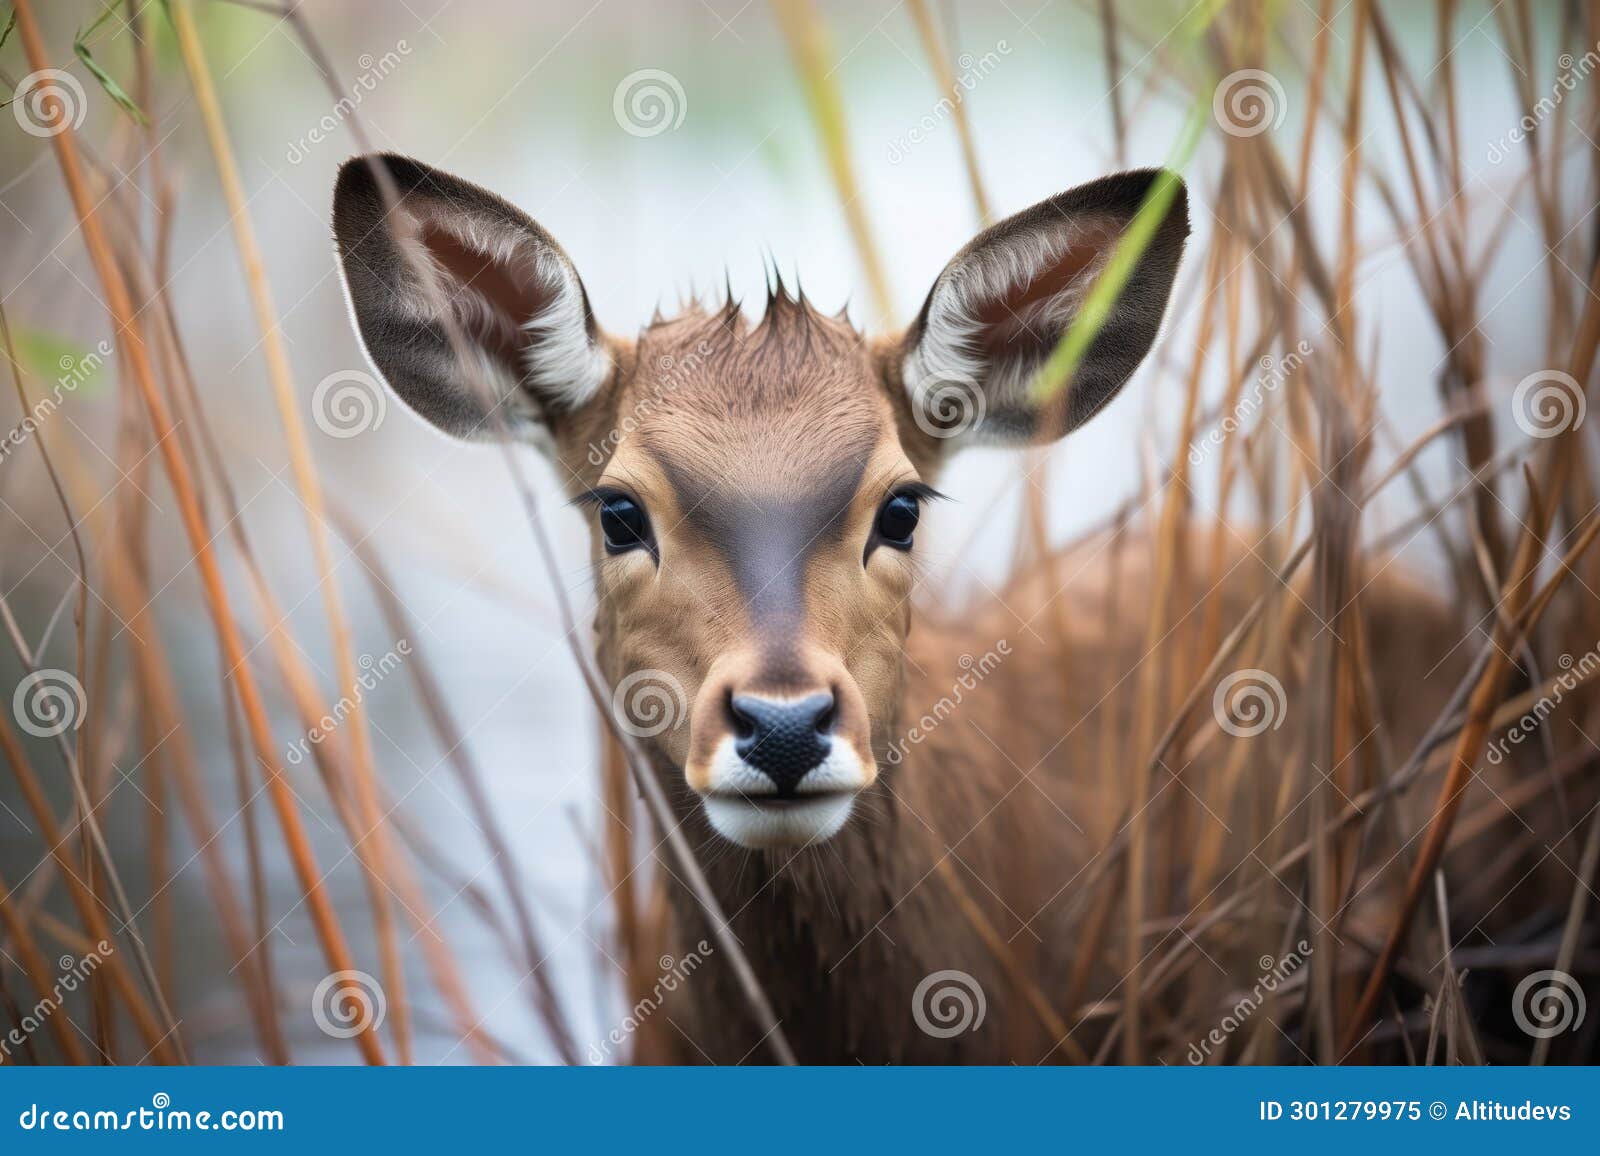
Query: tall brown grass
(1183, 906)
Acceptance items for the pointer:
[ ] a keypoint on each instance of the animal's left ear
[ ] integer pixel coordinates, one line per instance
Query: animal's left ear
(472, 313)
(1002, 304)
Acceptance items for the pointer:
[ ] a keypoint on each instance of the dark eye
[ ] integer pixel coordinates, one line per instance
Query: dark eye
(623, 522)
(897, 521)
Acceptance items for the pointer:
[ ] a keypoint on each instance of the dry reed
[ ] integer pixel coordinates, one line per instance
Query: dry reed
(1339, 829)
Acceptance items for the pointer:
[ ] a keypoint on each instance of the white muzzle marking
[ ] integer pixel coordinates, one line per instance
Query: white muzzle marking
(744, 807)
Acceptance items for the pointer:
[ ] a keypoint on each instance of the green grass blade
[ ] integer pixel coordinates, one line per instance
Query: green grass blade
(115, 91)
(1063, 361)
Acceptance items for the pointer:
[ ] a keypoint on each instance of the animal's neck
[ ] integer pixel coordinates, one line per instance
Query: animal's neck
(941, 855)
(874, 909)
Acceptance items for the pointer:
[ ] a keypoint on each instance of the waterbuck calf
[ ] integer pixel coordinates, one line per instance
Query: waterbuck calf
(755, 491)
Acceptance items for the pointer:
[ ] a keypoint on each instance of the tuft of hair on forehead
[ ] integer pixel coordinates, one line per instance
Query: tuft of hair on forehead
(777, 400)
(789, 333)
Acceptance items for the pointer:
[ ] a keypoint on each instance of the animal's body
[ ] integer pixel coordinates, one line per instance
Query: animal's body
(1007, 790)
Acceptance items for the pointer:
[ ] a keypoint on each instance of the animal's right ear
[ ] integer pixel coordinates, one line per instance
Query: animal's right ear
(1003, 303)
(468, 309)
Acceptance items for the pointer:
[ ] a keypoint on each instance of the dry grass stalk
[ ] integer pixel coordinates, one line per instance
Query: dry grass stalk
(309, 491)
(808, 41)
(132, 345)
(938, 58)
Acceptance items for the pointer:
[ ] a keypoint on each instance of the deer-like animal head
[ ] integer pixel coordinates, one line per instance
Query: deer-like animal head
(754, 488)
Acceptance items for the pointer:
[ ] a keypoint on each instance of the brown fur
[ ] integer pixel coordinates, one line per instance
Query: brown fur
(1003, 789)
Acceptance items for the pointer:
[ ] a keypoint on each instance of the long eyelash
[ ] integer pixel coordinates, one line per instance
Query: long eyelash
(921, 491)
(598, 497)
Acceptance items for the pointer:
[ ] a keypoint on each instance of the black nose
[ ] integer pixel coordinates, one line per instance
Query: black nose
(782, 740)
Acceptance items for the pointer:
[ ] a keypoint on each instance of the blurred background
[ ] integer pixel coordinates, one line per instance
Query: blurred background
(666, 146)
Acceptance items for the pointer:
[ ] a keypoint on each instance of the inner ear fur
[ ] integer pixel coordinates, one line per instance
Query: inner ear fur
(466, 307)
(1003, 303)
